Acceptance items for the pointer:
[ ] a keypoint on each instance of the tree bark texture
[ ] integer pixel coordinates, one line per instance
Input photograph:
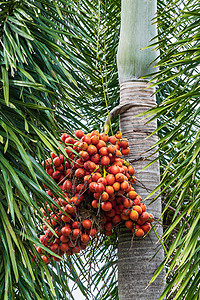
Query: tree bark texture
(136, 33)
(135, 267)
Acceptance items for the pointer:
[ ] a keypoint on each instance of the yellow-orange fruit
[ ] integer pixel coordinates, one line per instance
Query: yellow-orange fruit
(106, 206)
(124, 217)
(136, 201)
(124, 185)
(132, 194)
(118, 153)
(146, 227)
(134, 215)
(83, 146)
(131, 170)
(151, 218)
(92, 232)
(79, 134)
(110, 179)
(104, 196)
(129, 189)
(94, 132)
(95, 203)
(100, 144)
(105, 160)
(140, 221)
(87, 224)
(118, 163)
(84, 155)
(123, 143)
(104, 137)
(86, 139)
(143, 207)
(144, 216)
(119, 177)
(95, 139)
(92, 149)
(127, 203)
(129, 224)
(112, 140)
(114, 170)
(138, 209)
(118, 135)
(96, 176)
(133, 179)
(116, 186)
(111, 149)
(139, 232)
(64, 247)
(125, 151)
(110, 190)
(126, 211)
(85, 238)
(116, 219)
(45, 259)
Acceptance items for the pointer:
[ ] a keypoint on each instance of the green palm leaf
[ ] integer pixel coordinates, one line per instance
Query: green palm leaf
(178, 117)
(57, 76)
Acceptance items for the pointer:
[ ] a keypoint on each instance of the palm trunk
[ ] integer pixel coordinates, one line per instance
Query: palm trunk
(135, 269)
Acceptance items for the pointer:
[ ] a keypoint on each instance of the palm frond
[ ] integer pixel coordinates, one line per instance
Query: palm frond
(56, 72)
(178, 119)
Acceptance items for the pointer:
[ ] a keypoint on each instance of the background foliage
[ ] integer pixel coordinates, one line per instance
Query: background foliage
(58, 73)
(179, 146)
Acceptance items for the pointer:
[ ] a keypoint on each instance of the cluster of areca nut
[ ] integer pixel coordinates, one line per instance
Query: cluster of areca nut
(98, 194)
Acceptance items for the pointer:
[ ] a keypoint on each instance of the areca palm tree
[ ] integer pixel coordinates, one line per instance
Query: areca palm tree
(178, 129)
(134, 64)
(58, 68)
(174, 108)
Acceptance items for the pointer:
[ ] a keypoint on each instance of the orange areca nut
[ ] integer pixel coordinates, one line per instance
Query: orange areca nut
(97, 189)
